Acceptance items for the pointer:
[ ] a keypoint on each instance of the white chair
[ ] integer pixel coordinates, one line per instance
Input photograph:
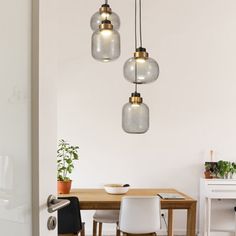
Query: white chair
(140, 215)
(105, 216)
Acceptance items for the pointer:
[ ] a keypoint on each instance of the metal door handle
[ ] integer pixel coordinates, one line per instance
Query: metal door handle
(55, 204)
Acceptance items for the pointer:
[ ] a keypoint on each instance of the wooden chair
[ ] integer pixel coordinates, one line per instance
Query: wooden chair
(69, 219)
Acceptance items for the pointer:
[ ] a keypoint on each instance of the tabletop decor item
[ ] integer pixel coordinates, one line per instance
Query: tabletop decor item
(116, 188)
(66, 155)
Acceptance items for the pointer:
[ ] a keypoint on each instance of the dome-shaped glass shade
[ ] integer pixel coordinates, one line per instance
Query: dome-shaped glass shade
(97, 19)
(135, 118)
(147, 70)
(105, 45)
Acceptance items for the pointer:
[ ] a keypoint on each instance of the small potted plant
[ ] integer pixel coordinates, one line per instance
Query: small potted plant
(232, 169)
(210, 167)
(224, 169)
(66, 155)
(208, 170)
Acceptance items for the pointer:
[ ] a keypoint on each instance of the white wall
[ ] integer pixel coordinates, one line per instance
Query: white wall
(192, 105)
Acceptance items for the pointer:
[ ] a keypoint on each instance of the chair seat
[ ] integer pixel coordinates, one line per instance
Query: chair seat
(106, 216)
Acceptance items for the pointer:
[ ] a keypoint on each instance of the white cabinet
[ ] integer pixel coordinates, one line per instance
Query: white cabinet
(213, 189)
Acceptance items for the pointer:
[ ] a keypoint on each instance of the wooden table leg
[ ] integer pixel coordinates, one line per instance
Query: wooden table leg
(191, 220)
(170, 222)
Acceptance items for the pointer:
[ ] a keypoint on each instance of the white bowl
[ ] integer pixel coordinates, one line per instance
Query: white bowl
(115, 189)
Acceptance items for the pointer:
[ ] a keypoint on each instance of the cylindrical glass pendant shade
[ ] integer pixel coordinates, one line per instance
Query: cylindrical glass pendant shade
(141, 69)
(98, 17)
(135, 117)
(105, 44)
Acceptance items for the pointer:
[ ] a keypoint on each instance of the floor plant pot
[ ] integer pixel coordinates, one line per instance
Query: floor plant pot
(64, 187)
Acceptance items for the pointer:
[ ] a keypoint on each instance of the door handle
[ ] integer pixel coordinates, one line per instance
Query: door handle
(55, 204)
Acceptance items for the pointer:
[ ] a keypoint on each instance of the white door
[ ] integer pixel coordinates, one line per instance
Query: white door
(28, 118)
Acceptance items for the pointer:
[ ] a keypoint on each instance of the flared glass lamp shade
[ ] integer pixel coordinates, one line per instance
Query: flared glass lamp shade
(135, 118)
(98, 17)
(105, 45)
(147, 70)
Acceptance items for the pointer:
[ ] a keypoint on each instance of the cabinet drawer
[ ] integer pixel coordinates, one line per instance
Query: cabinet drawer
(221, 191)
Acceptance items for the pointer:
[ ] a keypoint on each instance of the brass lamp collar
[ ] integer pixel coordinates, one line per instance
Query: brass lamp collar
(105, 8)
(106, 25)
(141, 53)
(135, 98)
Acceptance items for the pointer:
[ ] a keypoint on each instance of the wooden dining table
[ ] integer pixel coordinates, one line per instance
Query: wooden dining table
(98, 199)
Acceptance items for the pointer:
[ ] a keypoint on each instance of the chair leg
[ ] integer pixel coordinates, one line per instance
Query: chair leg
(94, 228)
(100, 229)
(82, 232)
(117, 230)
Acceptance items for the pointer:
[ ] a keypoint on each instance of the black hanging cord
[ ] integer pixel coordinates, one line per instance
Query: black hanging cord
(135, 25)
(136, 44)
(140, 23)
(106, 2)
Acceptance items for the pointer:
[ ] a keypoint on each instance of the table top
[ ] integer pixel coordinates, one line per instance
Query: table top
(94, 199)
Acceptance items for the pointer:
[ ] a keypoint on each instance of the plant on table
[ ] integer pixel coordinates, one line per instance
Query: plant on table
(66, 155)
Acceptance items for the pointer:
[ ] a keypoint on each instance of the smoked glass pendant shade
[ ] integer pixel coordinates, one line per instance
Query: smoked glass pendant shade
(141, 69)
(104, 13)
(105, 43)
(135, 115)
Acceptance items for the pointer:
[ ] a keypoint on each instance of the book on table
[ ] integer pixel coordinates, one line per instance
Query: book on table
(176, 196)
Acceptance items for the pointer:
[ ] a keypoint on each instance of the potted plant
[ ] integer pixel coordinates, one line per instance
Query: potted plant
(224, 169)
(210, 167)
(66, 155)
(210, 170)
(233, 169)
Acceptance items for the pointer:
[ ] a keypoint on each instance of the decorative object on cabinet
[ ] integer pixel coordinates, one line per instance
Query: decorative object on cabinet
(66, 155)
(221, 169)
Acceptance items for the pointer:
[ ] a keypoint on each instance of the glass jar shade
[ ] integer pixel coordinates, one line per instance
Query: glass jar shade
(147, 70)
(105, 45)
(135, 118)
(98, 17)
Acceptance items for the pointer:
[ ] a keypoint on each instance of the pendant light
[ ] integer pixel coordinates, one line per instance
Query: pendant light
(139, 69)
(147, 68)
(135, 115)
(105, 13)
(105, 39)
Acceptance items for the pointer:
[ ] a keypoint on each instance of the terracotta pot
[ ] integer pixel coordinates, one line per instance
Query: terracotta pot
(64, 186)
(208, 175)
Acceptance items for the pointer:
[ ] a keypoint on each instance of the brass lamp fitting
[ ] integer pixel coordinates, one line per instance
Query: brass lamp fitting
(141, 53)
(105, 8)
(106, 25)
(135, 98)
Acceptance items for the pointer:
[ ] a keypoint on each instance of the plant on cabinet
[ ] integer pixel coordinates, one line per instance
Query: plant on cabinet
(66, 155)
(224, 169)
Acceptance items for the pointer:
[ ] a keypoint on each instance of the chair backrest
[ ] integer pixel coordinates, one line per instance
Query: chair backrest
(69, 217)
(140, 215)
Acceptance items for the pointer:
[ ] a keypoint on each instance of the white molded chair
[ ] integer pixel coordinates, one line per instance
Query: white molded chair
(105, 216)
(140, 215)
